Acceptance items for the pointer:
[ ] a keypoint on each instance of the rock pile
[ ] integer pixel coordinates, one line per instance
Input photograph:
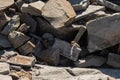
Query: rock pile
(38, 34)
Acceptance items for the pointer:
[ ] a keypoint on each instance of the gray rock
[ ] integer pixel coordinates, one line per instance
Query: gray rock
(23, 28)
(27, 48)
(4, 42)
(12, 25)
(58, 12)
(22, 61)
(5, 77)
(17, 38)
(91, 61)
(4, 68)
(103, 32)
(66, 49)
(90, 10)
(114, 60)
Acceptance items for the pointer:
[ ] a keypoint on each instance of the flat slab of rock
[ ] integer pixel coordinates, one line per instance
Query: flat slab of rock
(22, 61)
(58, 12)
(91, 61)
(17, 38)
(103, 32)
(5, 3)
(5, 77)
(90, 10)
(66, 49)
(114, 60)
(4, 68)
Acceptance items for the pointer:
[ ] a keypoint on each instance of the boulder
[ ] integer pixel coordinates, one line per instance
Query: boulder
(4, 68)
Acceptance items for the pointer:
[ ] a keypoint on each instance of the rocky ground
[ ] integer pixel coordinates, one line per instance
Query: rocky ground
(59, 40)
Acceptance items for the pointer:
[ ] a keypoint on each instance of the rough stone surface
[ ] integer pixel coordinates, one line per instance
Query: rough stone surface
(114, 60)
(103, 32)
(22, 61)
(5, 77)
(27, 48)
(17, 38)
(58, 12)
(23, 28)
(4, 68)
(12, 25)
(66, 49)
(91, 61)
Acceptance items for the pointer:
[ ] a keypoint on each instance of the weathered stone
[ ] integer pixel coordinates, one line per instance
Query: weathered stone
(27, 48)
(3, 19)
(91, 61)
(79, 4)
(17, 38)
(4, 68)
(90, 10)
(114, 60)
(58, 12)
(24, 18)
(23, 28)
(12, 25)
(66, 49)
(5, 3)
(51, 55)
(109, 4)
(5, 77)
(4, 42)
(22, 61)
(103, 32)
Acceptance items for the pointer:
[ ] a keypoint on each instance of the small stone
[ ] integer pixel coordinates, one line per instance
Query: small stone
(12, 25)
(90, 10)
(5, 77)
(114, 60)
(27, 48)
(58, 12)
(66, 49)
(17, 38)
(4, 68)
(91, 61)
(22, 61)
(23, 28)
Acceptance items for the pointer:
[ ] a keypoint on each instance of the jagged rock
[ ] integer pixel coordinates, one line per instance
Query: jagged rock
(79, 4)
(58, 12)
(23, 28)
(5, 77)
(22, 61)
(4, 68)
(17, 38)
(12, 25)
(27, 48)
(33, 8)
(4, 42)
(91, 61)
(114, 60)
(5, 3)
(66, 49)
(90, 10)
(103, 32)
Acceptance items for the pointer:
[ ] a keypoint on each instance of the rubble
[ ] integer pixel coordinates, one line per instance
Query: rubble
(59, 39)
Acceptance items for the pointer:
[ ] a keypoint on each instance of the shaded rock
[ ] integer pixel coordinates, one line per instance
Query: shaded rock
(23, 28)
(66, 49)
(4, 42)
(90, 10)
(103, 32)
(22, 61)
(12, 25)
(114, 60)
(5, 77)
(58, 12)
(17, 38)
(27, 48)
(4, 68)
(5, 3)
(94, 61)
